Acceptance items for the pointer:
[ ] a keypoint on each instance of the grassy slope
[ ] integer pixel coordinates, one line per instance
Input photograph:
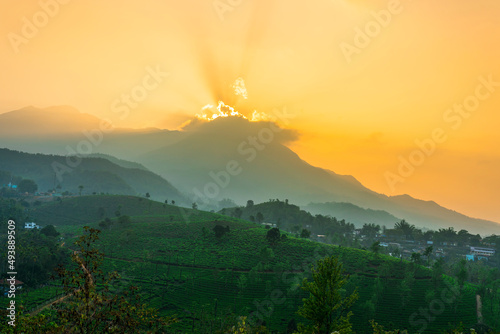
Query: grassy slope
(85, 209)
(183, 271)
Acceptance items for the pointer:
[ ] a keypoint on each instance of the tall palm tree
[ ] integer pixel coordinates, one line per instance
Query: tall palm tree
(406, 228)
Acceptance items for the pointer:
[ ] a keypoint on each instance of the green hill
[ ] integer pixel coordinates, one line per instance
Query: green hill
(353, 213)
(291, 218)
(282, 212)
(81, 210)
(184, 269)
(94, 174)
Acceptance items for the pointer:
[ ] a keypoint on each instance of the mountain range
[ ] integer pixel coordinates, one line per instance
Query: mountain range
(226, 158)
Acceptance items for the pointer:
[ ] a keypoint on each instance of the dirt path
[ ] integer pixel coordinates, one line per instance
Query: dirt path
(479, 308)
(49, 304)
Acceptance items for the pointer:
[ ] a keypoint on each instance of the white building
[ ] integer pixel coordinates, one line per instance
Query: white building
(31, 225)
(481, 251)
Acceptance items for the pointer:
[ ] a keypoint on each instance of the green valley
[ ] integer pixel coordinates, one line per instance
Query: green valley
(206, 280)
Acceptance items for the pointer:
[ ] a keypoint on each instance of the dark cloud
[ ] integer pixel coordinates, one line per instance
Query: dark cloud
(234, 128)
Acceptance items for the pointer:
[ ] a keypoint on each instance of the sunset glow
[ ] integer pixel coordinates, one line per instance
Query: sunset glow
(222, 110)
(366, 86)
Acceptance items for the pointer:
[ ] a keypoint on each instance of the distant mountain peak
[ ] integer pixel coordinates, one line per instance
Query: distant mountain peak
(51, 109)
(63, 108)
(56, 120)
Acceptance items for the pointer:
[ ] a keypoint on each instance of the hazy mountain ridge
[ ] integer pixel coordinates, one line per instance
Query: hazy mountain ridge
(357, 215)
(64, 120)
(119, 162)
(278, 172)
(197, 157)
(95, 174)
(64, 128)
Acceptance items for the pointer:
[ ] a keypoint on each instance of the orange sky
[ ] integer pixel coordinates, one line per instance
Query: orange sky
(356, 116)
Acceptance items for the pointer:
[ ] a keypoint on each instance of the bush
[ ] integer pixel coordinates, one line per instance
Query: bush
(50, 231)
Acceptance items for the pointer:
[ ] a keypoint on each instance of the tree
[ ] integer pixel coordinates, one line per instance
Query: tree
(148, 195)
(194, 206)
(461, 273)
(250, 203)
(242, 282)
(416, 258)
(305, 233)
(27, 186)
(266, 255)
(437, 272)
(375, 247)
(428, 235)
(405, 228)
(273, 235)
(259, 217)
(80, 188)
(327, 307)
(463, 236)
(220, 230)
(106, 223)
(237, 212)
(445, 235)
(50, 231)
(406, 286)
(91, 307)
(370, 230)
(427, 253)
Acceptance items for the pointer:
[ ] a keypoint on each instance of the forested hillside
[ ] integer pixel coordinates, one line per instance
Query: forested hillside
(95, 175)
